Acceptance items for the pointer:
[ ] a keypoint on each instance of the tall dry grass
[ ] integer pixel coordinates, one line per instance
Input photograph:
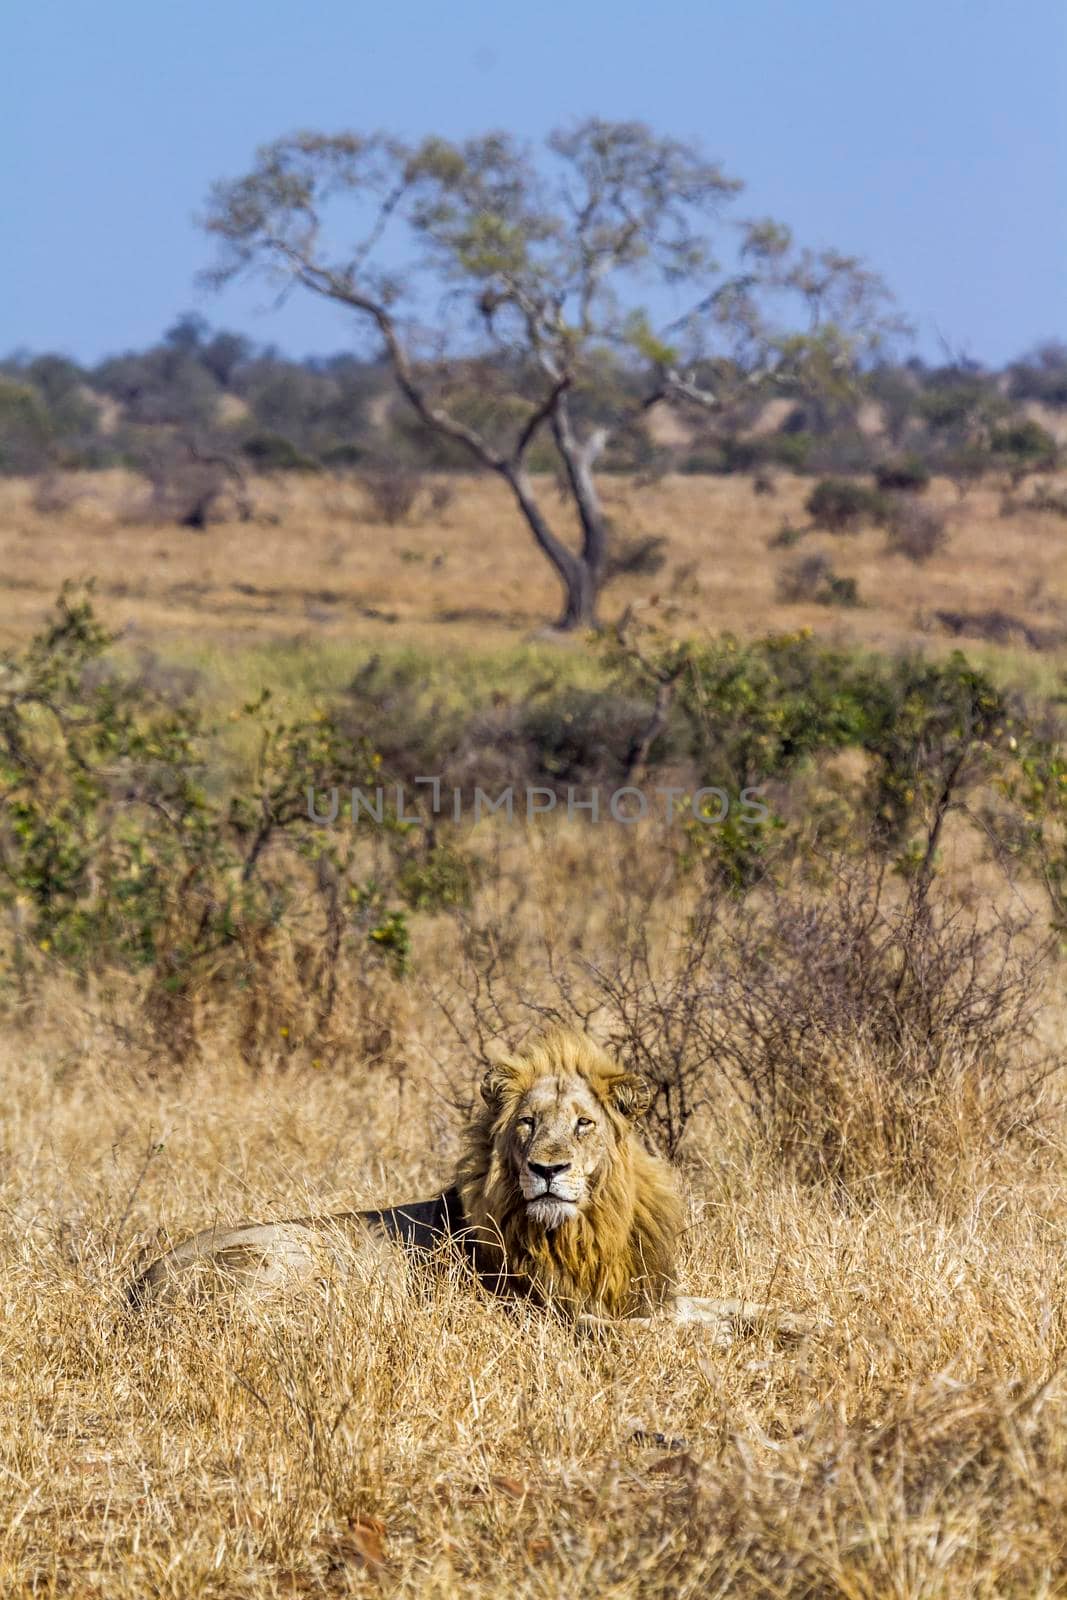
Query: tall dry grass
(422, 1439)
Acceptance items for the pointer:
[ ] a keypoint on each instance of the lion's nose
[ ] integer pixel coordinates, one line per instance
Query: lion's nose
(547, 1172)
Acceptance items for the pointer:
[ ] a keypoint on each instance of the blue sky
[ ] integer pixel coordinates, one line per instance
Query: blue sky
(929, 136)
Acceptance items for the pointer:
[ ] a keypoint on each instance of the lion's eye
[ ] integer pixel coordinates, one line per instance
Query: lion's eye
(525, 1123)
(584, 1124)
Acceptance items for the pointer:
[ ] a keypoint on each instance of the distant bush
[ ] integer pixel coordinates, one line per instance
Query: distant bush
(813, 578)
(1023, 447)
(791, 450)
(1044, 497)
(915, 530)
(953, 404)
(273, 452)
(1042, 375)
(189, 488)
(840, 505)
(441, 496)
(964, 464)
(785, 537)
(26, 435)
(392, 491)
(742, 455)
(342, 457)
(637, 556)
(708, 461)
(843, 451)
(905, 473)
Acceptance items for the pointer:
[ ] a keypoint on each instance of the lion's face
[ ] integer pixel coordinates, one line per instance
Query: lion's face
(559, 1141)
(560, 1196)
(560, 1123)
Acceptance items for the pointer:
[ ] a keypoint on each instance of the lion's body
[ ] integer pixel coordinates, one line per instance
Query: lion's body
(554, 1199)
(267, 1256)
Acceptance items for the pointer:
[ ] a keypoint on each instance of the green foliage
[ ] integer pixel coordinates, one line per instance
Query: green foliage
(907, 473)
(931, 736)
(273, 452)
(436, 878)
(839, 591)
(955, 404)
(933, 729)
(757, 711)
(791, 450)
(26, 434)
(1035, 785)
(116, 854)
(1023, 447)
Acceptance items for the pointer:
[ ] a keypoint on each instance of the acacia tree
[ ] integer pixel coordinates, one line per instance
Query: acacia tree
(549, 272)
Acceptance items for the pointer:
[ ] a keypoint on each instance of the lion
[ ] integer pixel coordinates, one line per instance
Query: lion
(555, 1199)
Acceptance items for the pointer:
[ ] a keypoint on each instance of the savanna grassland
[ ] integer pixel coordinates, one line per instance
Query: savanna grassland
(315, 566)
(215, 1009)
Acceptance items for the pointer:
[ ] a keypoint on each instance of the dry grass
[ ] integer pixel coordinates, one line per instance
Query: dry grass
(355, 1442)
(313, 567)
(423, 1440)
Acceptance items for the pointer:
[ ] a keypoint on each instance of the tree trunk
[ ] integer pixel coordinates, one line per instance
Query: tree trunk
(578, 462)
(579, 610)
(580, 581)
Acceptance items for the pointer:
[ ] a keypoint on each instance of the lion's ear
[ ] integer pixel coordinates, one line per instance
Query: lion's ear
(631, 1094)
(499, 1078)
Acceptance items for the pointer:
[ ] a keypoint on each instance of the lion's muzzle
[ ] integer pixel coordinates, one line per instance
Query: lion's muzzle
(551, 1191)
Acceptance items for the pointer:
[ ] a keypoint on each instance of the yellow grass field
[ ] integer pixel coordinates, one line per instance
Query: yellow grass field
(428, 1441)
(312, 566)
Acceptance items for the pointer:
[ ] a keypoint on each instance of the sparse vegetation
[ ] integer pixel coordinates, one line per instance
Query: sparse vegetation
(812, 577)
(914, 529)
(638, 624)
(850, 1009)
(392, 492)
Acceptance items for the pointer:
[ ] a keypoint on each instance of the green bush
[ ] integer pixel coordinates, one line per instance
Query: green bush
(1023, 447)
(934, 735)
(906, 473)
(273, 452)
(342, 457)
(120, 856)
(841, 505)
(791, 450)
(27, 441)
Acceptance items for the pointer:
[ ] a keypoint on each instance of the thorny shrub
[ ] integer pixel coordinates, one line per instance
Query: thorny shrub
(871, 1032)
(914, 530)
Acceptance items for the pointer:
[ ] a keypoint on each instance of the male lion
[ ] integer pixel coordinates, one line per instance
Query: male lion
(554, 1199)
